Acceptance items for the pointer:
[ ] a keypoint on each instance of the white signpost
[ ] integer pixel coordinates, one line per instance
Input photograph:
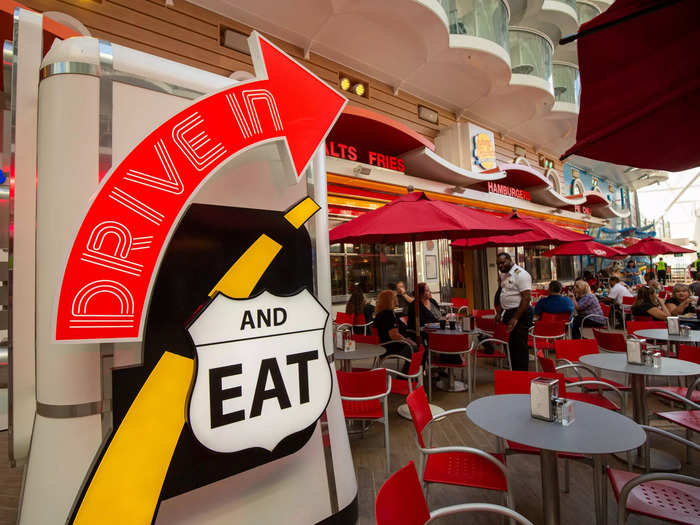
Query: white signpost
(262, 372)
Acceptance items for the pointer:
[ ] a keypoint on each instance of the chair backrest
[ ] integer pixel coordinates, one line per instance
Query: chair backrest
(628, 300)
(362, 384)
(343, 318)
(610, 341)
(689, 353)
(518, 382)
(488, 325)
(606, 309)
(419, 408)
(501, 332)
(448, 343)
(372, 339)
(549, 329)
(555, 318)
(481, 313)
(546, 363)
(400, 499)
(416, 361)
(573, 349)
(643, 319)
(633, 326)
(459, 302)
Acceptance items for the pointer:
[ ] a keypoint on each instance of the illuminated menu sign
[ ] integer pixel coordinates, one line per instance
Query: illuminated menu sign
(353, 153)
(508, 191)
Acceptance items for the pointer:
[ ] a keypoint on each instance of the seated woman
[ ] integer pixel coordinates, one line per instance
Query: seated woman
(650, 280)
(585, 304)
(358, 306)
(680, 303)
(429, 311)
(648, 303)
(390, 329)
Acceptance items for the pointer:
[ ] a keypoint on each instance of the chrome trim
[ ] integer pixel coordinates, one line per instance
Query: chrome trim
(564, 63)
(69, 68)
(10, 63)
(105, 69)
(90, 408)
(533, 31)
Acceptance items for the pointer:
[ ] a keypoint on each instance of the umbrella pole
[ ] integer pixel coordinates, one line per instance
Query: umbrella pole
(416, 310)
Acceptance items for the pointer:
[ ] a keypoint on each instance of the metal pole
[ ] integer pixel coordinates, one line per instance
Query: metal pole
(550, 487)
(415, 290)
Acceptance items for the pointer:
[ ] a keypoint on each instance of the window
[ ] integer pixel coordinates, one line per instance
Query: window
(565, 268)
(538, 266)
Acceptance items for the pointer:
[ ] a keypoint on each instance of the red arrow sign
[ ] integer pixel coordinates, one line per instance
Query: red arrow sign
(110, 270)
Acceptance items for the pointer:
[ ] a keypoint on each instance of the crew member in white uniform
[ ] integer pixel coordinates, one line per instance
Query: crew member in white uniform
(514, 309)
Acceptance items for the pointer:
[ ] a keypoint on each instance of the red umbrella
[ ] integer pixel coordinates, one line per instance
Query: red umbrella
(541, 232)
(640, 71)
(415, 217)
(592, 248)
(651, 246)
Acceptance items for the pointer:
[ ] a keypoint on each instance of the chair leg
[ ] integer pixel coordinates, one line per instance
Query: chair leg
(469, 375)
(567, 476)
(386, 434)
(430, 377)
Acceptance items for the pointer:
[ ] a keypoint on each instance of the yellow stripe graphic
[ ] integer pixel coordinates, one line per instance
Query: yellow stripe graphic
(302, 212)
(128, 481)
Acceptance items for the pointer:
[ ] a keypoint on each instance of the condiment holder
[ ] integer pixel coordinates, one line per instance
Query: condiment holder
(545, 403)
(673, 325)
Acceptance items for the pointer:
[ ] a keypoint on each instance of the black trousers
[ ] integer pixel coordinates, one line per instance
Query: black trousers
(589, 323)
(661, 274)
(517, 342)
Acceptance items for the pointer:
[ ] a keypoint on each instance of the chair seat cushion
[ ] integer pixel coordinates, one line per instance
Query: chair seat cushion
(593, 399)
(681, 391)
(686, 418)
(665, 500)
(465, 469)
(400, 386)
(519, 448)
(371, 409)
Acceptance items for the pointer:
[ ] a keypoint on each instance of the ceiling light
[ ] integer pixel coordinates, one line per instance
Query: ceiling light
(361, 170)
(359, 89)
(345, 83)
(427, 114)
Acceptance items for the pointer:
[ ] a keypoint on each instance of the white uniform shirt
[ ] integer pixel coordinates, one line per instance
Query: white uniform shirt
(512, 283)
(619, 291)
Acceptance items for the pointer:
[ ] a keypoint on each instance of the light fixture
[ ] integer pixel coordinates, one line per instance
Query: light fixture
(234, 40)
(345, 83)
(455, 189)
(359, 89)
(427, 114)
(361, 170)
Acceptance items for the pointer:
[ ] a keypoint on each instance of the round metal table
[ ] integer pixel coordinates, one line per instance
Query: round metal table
(661, 334)
(488, 316)
(617, 362)
(596, 431)
(362, 351)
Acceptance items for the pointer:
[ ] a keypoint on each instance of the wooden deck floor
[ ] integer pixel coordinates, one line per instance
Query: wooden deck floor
(576, 507)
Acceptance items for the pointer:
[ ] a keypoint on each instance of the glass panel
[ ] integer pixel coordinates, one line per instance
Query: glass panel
(586, 12)
(483, 18)
(393, 270)
(565, 268)
(539, 267)
(567, 84)
(362, 271)
(338, 286)
(530, 54)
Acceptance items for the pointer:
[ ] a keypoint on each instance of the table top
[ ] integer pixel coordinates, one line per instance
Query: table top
(488, 316)
(662, 334)
(362, 351)
(447, 331)
(594, 431)
(617, 362)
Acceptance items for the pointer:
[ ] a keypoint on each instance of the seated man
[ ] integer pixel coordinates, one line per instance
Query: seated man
(555, 302)
(618, 290)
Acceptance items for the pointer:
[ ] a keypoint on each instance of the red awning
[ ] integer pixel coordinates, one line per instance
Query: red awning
(640, 85)
(415, 217)
(541, 232)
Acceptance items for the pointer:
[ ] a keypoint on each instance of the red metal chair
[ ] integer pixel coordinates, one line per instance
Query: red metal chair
(364, 396)
(458, 303)
(400, 501)
(404, 384)
(570, 352)
(487, 326)
(499, 340)
(641, 318)
(668, 497)
(626, 306)
(443, 345)
(633, 326)
(610, 341)
(455, 465)
(482, 313)
(357, 322)
(543, 334)
(671, 393)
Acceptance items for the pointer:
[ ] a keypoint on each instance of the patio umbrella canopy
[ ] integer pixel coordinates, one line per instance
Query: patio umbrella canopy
(640, 85)
(592, 248)
(541, 232)
(651, 246)
(415, 217)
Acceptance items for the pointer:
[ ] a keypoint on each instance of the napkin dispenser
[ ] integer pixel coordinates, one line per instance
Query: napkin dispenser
(467, 324)
(543, 391)
(674, 325)
(635, 354)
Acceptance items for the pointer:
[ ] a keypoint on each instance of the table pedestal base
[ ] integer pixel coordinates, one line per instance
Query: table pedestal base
(405, 413)
(550, 487)
(451, 386)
